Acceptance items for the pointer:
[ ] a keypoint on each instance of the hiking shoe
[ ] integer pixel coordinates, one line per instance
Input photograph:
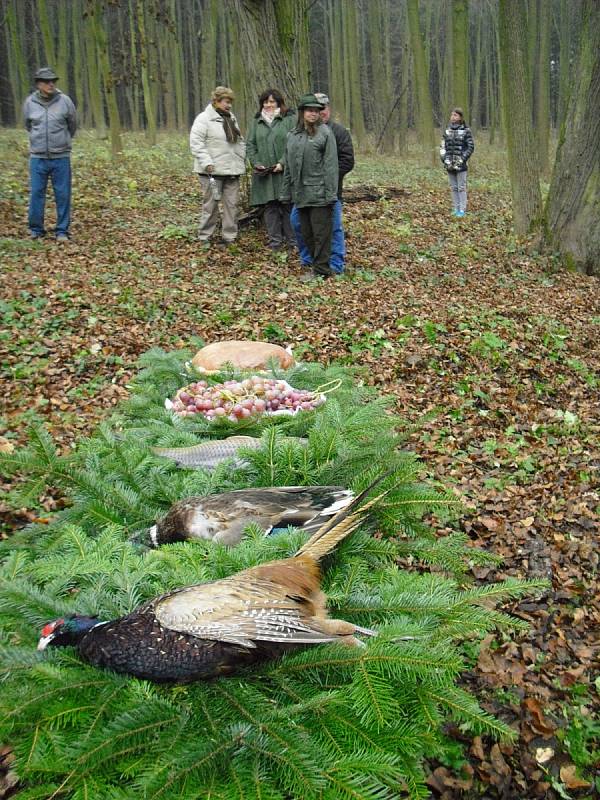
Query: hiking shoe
(62, 239)
(460, 213)
(35, 236)
(306, 277)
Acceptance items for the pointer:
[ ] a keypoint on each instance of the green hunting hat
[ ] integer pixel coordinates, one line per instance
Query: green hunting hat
(45, 74)
(310, 101)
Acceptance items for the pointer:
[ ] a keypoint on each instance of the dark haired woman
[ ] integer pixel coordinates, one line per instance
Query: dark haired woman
(310, 182)
(456, 149)
(265, 148)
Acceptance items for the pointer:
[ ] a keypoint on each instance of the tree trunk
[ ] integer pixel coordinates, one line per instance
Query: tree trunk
(405, 75)
(476, 74)
(382, 86)
(565, 28)
(20, 82)
(132, 88)
(573, 205)
(531, 26)
(499, 114)
(177, 68)
(147, 83)
(337, 84)
(443, 61)
(516, 107)
(352, 62)
(78, 68)
(543, 85)
(93, 76)
(101, 39)
(63, 51)
(270, 39)
(460, 54)
(47, 34)
(206, 54)
(424, 112)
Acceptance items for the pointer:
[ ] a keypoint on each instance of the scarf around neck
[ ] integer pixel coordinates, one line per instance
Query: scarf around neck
(268, 118)
(232, 133)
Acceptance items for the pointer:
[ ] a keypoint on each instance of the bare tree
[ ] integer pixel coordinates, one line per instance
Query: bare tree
(573, 205)
(516, 105)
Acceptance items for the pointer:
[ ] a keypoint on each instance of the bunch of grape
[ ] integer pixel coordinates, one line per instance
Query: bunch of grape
(237, 400)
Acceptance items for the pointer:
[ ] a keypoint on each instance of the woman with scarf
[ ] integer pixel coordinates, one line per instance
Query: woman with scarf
(219, 154)
(266, 147)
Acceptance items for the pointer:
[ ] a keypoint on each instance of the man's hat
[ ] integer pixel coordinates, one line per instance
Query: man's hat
(310, 101)
(45, 74)
(322, 98)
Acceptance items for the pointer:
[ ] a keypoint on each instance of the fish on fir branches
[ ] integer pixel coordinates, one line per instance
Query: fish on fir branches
(214, 629)
(208, 455)
(223, 517)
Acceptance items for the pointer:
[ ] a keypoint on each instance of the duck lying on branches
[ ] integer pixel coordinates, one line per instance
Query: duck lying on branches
(223, 517)
(215, 628)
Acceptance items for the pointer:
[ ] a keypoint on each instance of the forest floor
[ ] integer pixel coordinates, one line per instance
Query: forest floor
(490, 352)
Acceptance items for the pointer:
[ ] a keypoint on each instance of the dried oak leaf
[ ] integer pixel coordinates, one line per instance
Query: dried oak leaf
(538, 720)
(568, 775)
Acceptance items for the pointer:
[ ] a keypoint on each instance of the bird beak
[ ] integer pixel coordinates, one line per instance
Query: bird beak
(45, 641)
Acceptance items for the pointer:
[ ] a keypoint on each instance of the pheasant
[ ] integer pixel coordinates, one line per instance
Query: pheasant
(214, 629)
(223, 517)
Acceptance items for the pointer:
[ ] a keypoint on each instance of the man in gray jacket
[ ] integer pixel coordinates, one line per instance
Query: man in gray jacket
(49, 117)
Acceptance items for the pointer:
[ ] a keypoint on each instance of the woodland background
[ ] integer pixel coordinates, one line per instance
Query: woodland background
(359, 52)
(520, 68)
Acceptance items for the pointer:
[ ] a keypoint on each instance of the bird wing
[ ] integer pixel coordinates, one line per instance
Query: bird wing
(247, 608)
(274, 506)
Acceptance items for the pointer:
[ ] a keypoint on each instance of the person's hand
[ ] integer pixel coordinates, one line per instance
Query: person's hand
(210, 169)
(278, 168)
(260, 167)
(459, 162)
(447, 162)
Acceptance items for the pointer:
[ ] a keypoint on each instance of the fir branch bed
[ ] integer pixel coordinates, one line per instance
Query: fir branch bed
(328, 722)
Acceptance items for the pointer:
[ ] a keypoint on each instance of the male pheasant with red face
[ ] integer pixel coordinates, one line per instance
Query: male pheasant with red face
(215, 628)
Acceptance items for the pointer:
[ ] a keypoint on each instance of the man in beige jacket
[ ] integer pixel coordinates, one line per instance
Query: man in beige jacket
(219, 154)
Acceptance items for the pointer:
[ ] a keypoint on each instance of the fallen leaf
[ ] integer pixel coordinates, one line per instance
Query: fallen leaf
(6, 446)
(539, 721)
(498, 761)
(477, 748)
(568, 775)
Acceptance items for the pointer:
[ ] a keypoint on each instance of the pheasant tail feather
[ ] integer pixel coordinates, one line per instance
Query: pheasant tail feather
(331, 533)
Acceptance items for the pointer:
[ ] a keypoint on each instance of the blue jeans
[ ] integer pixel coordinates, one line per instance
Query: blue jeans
(59, 172)
(338, 244)
(458, 187)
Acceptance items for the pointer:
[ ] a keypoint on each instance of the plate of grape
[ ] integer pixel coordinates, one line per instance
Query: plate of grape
(240, 400)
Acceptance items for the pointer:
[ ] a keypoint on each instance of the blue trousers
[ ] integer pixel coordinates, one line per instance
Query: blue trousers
(59, 172)
(338, 244)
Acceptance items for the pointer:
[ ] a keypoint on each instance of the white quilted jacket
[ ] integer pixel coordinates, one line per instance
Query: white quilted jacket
(209, 145)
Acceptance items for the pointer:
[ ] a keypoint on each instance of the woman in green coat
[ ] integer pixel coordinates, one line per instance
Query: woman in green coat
(310, 182)
(265, 149)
